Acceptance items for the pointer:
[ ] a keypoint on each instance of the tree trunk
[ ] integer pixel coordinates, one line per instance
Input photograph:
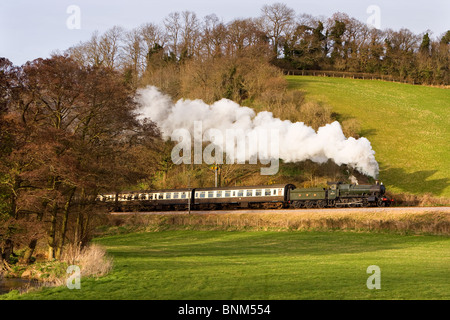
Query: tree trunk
(85, 237)
(76, 237)
(13, 199)
(79, 222)
(1, 261)
(7, 250)
(29, 252)
(64, 225)
(52, 234)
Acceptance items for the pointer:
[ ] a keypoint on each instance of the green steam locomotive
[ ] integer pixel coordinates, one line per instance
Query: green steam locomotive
(340, 195)
(257, 197)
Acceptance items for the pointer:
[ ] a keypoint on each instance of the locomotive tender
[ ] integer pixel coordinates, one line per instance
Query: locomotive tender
(257, 197)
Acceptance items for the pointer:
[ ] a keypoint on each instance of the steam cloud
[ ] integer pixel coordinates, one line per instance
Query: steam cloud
(297, 141)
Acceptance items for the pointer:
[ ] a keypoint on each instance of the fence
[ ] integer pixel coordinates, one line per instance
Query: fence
(345, 74)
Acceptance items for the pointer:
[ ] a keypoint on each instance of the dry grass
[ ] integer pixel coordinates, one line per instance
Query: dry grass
(423, 200)
(437, 223)
(92, 260)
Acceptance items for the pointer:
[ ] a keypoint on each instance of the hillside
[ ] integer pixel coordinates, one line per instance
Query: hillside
(408, 126)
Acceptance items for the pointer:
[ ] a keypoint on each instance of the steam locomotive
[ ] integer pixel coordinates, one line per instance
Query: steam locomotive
(279, 196)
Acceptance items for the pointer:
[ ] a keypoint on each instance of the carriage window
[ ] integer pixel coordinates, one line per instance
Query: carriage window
(249, 193)
(240, 193)
(202, 194)
(210, 194)
(143, 196)
(175, 195)
(183, 195)
(150, 196)
(168, 195)
(258, 192)
(227, 193)
(267, 192)
(218, 194)
(160, 196)
(274, 192)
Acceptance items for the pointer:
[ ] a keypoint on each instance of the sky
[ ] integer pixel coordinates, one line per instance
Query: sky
(32, 29)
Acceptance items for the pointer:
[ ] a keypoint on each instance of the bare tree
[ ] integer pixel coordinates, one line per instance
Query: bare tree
(109, 46)
(189, 33)
(172, 24)
(133, 57)
(87, 53)
(277, 19)
(100, 50)
(153, 41)
(243, 33)
(213, 36)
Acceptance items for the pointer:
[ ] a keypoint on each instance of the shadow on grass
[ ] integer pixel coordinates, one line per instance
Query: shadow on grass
(299, 82)
(417, 182)
(367, 132)
(243, 245)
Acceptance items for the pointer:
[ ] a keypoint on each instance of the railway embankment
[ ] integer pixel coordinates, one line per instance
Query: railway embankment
(408, 220)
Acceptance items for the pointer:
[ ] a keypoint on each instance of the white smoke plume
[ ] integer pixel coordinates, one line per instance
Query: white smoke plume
(297, 141)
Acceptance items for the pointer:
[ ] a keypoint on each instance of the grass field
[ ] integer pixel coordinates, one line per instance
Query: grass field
(408, 126)
(265, 265)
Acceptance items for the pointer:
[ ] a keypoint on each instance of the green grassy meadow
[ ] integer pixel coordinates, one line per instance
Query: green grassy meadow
(190, 264)
(408, 126)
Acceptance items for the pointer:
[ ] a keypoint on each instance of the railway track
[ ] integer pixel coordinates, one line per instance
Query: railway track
(399, 210)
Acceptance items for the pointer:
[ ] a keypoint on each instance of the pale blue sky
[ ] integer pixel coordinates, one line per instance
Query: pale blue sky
(32, 29)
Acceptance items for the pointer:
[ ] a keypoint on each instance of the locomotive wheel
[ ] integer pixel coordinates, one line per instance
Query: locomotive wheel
(321, 204)
(309, 204)
(297, 204)
(365, 202)
(380, 203)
